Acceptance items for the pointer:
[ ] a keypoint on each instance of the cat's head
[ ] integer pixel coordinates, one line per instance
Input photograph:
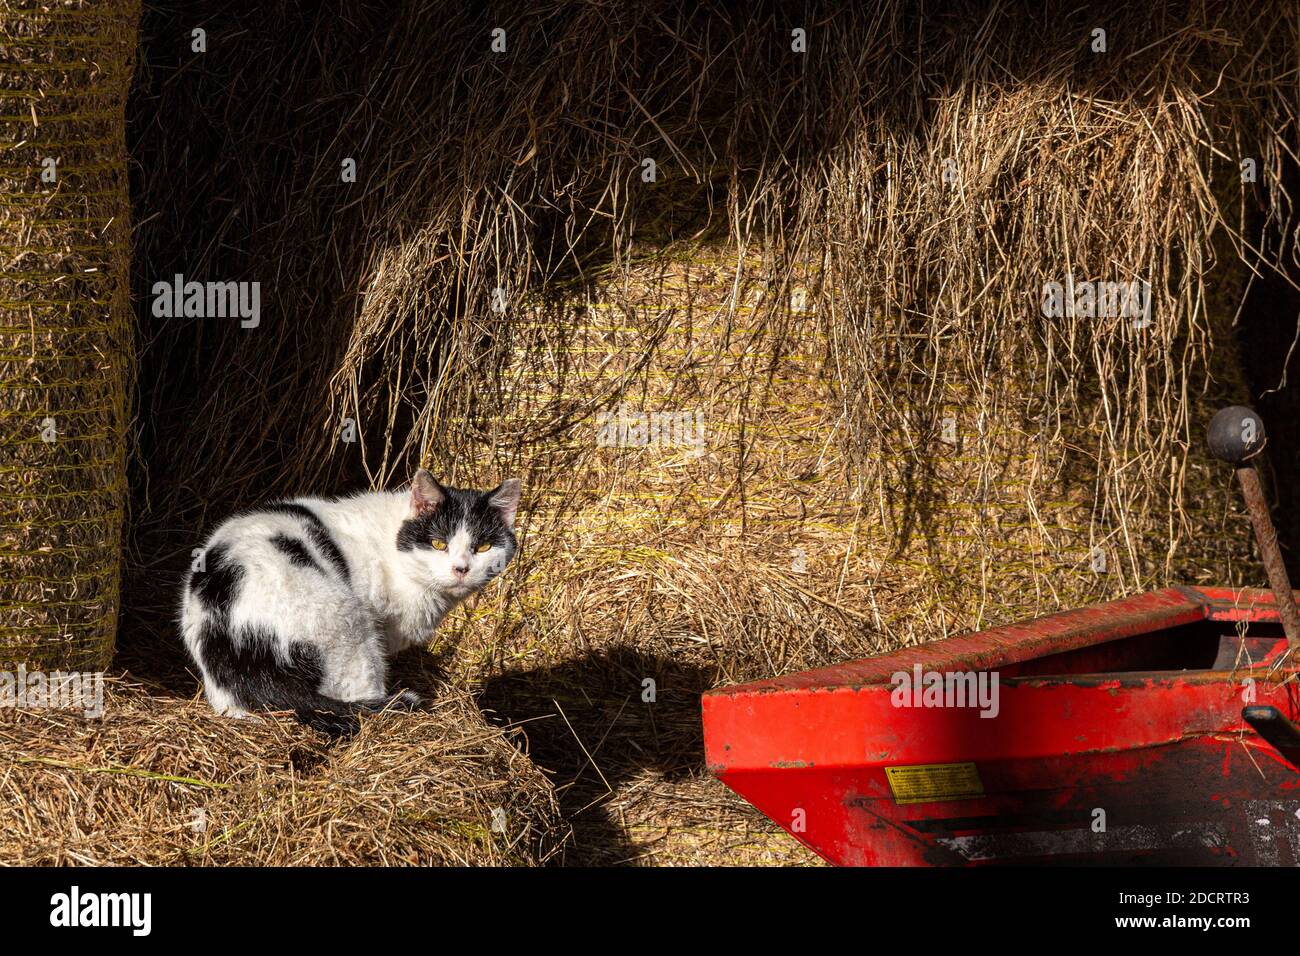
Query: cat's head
(459, 539)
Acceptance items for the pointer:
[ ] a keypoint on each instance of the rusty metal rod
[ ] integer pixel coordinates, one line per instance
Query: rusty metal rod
(1266, 538)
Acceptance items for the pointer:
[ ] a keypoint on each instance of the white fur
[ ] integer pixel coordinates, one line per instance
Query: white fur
(396, 599)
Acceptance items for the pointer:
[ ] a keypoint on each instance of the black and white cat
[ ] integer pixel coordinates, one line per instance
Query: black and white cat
(300, 604)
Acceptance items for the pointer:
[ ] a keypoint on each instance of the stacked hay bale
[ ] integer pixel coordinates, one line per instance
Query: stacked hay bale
(65, 340)
(710, 522)
(159, 782)
(863, 449)
(837, 273)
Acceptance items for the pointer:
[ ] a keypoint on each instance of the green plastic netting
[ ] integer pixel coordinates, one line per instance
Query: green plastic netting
(65, 341)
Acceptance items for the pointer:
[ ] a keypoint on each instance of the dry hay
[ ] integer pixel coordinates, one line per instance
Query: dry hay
(65, 346)
(164, 782)
(747, 554)
(802, 273)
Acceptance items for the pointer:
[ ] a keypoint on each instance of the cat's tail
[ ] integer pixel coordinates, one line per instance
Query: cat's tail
(329, 715)
(319, 703)
(338, 718)
(315, 709)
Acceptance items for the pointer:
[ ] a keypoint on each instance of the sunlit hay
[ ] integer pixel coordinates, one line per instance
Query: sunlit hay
(161, 782)
(738, 547)
(65, 345)
(899, 443)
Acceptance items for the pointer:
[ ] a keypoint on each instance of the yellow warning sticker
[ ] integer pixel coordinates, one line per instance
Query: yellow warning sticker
(924, 783)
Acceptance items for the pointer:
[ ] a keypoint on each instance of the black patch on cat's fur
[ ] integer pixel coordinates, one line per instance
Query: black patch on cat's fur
(296, 551)
(474, 509)
(318, 533)
(215, 586)
(251, 671)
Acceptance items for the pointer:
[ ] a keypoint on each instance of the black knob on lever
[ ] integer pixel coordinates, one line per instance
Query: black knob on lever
(1236, 435)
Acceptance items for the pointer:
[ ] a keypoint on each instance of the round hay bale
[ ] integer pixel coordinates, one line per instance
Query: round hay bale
(835, 513)
(698, 494)
(160, 782)
(65, 340)
(701, 515)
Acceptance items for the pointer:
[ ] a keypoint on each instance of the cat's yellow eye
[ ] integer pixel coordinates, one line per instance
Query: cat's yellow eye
(439, 544)
(483, 547)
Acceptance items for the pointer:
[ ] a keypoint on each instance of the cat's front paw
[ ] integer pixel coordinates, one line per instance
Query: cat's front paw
(238, 713)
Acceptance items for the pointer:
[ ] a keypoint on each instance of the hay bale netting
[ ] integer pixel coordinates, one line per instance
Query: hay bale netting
(158, 781)
(65, 341)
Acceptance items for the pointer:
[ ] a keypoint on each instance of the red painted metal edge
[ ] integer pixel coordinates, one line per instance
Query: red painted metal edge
(1166, 753)
(1025, 640)
(1238, 604)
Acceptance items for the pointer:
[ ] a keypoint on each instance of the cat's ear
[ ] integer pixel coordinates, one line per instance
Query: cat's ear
(505, 498)
(426, 494)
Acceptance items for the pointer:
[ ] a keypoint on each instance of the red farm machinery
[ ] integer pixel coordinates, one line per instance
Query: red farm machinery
(1154, 729)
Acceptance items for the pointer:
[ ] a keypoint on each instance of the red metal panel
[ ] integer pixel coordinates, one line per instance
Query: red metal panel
(840, 727)
(1000, 646)
(1231, 604)
(1165, 755)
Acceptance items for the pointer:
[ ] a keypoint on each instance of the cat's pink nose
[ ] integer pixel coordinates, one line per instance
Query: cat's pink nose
(460, 569)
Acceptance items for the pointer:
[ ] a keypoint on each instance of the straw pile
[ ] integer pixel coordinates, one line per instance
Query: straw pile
(161, 782)
(837, 272)
(65, 346)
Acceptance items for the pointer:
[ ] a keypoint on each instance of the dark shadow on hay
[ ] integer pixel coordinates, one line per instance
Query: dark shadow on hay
(593, 705)
(150, 651)
(1266, 337)
(237, 168)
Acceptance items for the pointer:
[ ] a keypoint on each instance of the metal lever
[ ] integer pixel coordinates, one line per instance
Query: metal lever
(1236, 435)
(1269, 723)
